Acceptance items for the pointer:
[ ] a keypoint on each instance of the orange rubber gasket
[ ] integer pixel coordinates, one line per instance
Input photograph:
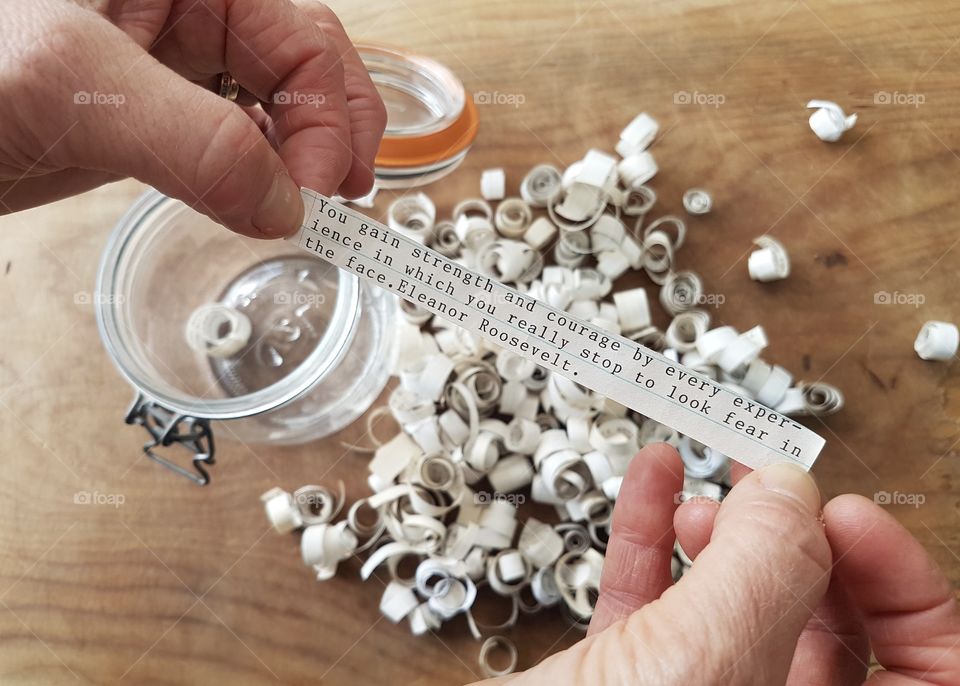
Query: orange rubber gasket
(414, 151)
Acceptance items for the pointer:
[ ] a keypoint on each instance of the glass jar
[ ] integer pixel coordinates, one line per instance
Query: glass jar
(314, 353)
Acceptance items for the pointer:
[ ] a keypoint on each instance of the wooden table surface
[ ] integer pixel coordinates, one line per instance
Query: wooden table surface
(181, 584)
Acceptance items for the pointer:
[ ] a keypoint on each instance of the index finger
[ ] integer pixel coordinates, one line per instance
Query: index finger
(368, 116)
(636, 570)
(277, 52)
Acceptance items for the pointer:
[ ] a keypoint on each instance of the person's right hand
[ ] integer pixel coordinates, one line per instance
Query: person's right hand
(97, 90)
(780, 591)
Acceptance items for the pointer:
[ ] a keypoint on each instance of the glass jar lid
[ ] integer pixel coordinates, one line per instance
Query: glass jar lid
(431, 120)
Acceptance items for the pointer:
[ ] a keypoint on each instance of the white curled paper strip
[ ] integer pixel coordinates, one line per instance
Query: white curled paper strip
(637, 135)
(324, 546)
(398, 601)
(937, 341)
(493, 183)
(318, 504)
(697, 201)
(540, 185)
(621, 369)
(281, 511)
(423, 619)
(540, 543)
(770, 262)
(685, 329)
(681, 291)
(491, 644)
(512, 218)
(829, 121)
(217, 330)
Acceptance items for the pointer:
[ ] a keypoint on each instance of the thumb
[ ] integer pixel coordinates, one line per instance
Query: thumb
(753, 588)
(735, 617)
(188, 143)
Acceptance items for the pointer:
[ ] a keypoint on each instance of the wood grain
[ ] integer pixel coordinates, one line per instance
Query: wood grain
(186, 585)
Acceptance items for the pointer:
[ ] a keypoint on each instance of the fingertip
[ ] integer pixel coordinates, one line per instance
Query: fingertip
(281, 211)
(849, 511)
(775, 514)
(792, 482)
(655, 472)
(359, 182)
(661, 457)
(693, 523)
(850, 503)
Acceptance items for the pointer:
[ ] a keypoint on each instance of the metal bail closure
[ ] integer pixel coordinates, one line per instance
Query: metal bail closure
(167, 428)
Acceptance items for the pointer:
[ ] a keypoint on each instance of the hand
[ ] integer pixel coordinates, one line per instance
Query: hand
(93, 96)
(780, 592)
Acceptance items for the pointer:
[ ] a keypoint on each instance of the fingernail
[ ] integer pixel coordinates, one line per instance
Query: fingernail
(793, 482)
(281, 211)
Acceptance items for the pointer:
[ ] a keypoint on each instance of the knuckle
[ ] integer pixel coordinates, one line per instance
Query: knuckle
(56, 41)
(368, 115)
(234, 144)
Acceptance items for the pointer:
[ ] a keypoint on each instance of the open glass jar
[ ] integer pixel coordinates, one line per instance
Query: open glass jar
(313, 352)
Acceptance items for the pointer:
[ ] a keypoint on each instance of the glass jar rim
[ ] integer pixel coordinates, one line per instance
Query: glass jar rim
(427, 81)
(113, 317)
(436, 144)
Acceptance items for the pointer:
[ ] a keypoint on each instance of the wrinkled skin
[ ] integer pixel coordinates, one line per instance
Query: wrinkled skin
(782, 591)
(101, 90)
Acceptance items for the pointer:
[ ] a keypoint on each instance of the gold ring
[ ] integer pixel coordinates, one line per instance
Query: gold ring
(229, 87)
